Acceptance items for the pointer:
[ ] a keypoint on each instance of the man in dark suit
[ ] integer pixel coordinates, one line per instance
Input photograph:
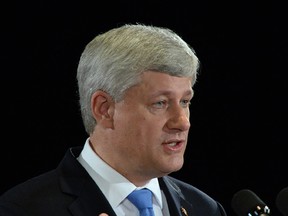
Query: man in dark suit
(135, 86)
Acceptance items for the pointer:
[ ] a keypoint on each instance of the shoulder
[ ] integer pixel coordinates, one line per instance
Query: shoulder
(46, 193)
(28, 195)
(44, 183)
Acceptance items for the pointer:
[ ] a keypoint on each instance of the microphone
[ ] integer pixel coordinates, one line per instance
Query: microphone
(246, 203)
(282, 201)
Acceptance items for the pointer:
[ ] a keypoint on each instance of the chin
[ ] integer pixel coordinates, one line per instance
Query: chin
(174, 168)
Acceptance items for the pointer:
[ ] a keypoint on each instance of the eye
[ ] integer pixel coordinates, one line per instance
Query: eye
(160, 104)
(185, 103)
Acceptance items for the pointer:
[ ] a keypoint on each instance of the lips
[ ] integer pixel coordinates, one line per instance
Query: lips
(173, 145)
(173, 142)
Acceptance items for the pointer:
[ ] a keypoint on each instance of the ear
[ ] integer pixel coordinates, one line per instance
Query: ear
(102, 106)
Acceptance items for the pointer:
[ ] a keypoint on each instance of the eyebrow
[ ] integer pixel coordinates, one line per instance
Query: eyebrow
(167, 93)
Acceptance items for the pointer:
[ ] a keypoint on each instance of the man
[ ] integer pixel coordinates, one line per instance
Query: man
(135, 86)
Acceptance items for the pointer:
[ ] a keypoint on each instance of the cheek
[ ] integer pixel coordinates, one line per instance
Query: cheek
(140, 128)
(128, 123)
(149, 130)
(137, 123)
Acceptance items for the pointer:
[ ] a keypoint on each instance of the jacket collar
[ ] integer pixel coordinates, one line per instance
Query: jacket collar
(87, 198)
(175, 198)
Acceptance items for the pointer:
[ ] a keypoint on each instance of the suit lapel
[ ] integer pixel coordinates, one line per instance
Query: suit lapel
(86, 197)
(176, 201)
(91, 202)
(88, 200)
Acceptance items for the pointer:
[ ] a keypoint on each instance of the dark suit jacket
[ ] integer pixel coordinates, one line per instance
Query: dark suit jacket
(70, 191)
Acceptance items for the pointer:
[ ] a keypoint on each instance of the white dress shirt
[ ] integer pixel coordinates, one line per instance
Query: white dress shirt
(116, 187)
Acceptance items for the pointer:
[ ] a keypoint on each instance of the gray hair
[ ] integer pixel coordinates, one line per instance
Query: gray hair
(113, 62)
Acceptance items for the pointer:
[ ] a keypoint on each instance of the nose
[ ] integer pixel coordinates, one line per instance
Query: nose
(179, 119)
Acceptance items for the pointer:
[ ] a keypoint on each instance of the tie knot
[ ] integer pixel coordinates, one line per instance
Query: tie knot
(142, 199)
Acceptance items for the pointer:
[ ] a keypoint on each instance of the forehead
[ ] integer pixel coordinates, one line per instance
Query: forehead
(156, 81)
(155, 84)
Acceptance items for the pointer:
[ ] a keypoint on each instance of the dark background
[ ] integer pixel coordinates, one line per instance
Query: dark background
(238, 116)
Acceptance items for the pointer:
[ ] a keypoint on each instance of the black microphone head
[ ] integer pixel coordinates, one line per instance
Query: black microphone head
(282, 201)
(245, 202)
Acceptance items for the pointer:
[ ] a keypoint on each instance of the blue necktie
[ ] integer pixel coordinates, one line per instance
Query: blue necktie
(142, 199)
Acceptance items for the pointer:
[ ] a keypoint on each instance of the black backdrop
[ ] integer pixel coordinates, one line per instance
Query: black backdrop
(238, 116)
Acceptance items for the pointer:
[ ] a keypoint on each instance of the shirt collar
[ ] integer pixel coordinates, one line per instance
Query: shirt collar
(114, 186)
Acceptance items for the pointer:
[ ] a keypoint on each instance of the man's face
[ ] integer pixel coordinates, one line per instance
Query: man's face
(151, 126)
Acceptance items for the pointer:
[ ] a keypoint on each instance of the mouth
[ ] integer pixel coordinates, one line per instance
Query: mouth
(173, 145)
